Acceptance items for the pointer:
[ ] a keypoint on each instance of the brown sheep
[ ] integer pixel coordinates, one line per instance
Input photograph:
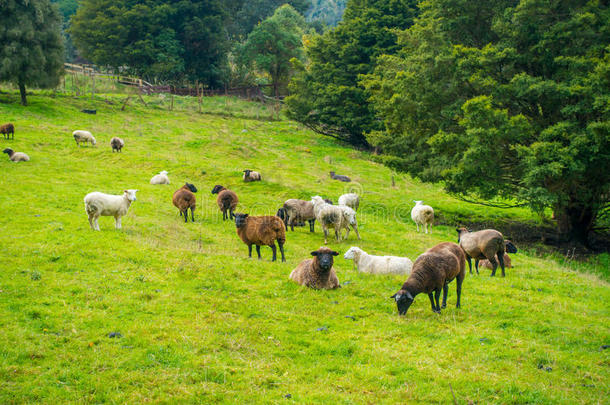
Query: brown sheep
(432, 271)
(251, 175)
(7, 130)
(318, 272)
(486, 244)
(227, 201)
(487, 264)
(184, 198)
(261, 231)
(117, 144)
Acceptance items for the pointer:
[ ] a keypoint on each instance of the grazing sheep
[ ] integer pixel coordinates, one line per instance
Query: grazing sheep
(330, 216)
(318, 272)
(486, 244)
(432, 272)
(350, 216)
(339, 177)
(261, 231)
(16, 156)
(299, 211)
(351, 200)
(422, 215)
(184, 198)
(227, 201)
(117, 144)
(378, 264)
(487, 264)
(81, 136)
(251, 175)
(99, 204)
(160, 178)
(7, 130)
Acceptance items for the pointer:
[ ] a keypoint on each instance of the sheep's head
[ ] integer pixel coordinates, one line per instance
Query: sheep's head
(352, 253)
(240, 219)
(403, 299)
(217, 189)
(418, 202)
(8, 151)
(316, 199)
(460, 232)
(191, 187)
(163, 172)
(247, 172)
(281, 213)
(324, 257)
(130, 194)
(93, 141)
(510, 248)
(332, 174)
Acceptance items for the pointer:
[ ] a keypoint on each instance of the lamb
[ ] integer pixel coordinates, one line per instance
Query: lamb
(486, 263)
(329, 216)
(81, 136)
(339, 177)
(433, 271)
(160, 178)
(378, 264)
(251, 175)
(261, 231)
(317, 273)
(98, 204)
(351, 200)
(16, 156)
(7, 130)
(422, 215)
(299, 211)
(117, 144)
(227, 201)
(184, 198)
(486, 244)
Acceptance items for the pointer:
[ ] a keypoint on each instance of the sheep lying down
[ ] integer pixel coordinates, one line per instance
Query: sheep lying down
(372, 264)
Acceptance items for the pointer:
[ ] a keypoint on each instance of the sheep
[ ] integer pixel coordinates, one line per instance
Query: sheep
(350, 216)
(339, 177)
(486, 244)
(378, 264)
(351, 200)
(261, 231)
(117, 144)
(432, 271)
(317, 273)
(422, 215)
(299, 211)
(99, 204)
(251, 175)
(7, 130)
(16, 156)
(184, 198)
(81, 136)
(487, 264)
(160, 178)
(227, 201)
(329, 216)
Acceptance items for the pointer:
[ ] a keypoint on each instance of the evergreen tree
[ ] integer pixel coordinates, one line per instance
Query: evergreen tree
(31, 46)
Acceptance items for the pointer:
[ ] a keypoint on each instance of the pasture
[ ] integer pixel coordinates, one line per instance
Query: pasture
(167, 312)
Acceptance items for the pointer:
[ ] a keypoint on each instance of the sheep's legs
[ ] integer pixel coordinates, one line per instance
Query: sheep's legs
(274, 250)
(337, 235)
(96, 224)
(224, 215)
(325, 235)
(417, 224)
(232, 215)
(432, 303)
(346, 233)
(91, 221)
(312, 223)
(281, 245)
(458, 281)
(117, 222)
(437, 295)
(445, 291)
(476, 265)
(186, 215)
(250, 251)
(494, 265)
(192, 214)
(425, 226)
(258, 252)
(469, 263)
(501, 260)
(356, 230)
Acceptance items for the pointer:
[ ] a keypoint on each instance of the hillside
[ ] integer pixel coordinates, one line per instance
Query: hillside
(200, 322)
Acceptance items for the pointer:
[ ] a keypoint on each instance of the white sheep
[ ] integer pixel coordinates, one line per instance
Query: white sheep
(378, 264)
(98, 204)
(351, 200)
(422, 215)
(160, 178)
(81, 136)
(331, 216)
(350, 216)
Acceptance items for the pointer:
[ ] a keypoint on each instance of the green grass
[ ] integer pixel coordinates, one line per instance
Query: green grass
(200, 322)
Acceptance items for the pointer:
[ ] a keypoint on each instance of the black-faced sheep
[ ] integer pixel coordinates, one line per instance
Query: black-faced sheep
(486, 244)
(117, 144)
(299, 211)
(16, 156)
(261, 231)
(339, 177)
(422, 215)
(184, 198)
(318, 272)
(7, 130)
(251, 175)
(81, 136)
(227, 201)
(432, 272)
(99, 204)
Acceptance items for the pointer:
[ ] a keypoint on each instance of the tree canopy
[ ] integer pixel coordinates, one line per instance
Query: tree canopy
(503, 99)
(31, 46)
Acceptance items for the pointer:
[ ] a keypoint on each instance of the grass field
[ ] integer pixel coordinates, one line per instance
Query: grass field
(199, 322)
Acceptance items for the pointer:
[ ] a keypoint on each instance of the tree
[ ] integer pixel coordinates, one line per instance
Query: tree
(273, 43)
(244, 15)
(326, 95)
(31, 46)
(504, 100)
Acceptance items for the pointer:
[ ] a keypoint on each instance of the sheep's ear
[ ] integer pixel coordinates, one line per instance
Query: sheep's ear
(334, 253)
(314, 253)
(409, 296)
(125, 191)
(395, 296)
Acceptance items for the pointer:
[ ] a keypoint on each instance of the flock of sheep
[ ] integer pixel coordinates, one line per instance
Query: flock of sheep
(430, 274)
